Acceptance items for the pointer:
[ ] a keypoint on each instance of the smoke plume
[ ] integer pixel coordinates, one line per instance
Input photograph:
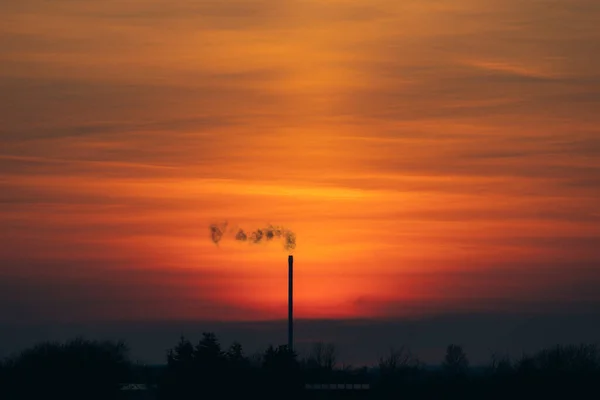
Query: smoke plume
(217, 231)
(267, 234)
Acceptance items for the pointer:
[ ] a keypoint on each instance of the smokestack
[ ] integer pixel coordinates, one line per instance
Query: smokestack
(291, 303)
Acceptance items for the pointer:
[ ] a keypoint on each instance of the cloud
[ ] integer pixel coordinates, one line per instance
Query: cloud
(508, 69)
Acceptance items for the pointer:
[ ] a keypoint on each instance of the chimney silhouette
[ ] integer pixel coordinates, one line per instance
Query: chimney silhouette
(291, 303)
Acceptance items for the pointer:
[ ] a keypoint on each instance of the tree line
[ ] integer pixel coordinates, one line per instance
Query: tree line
(98, 370)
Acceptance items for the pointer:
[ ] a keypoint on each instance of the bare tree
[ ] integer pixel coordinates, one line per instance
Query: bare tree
(398, 359)
(323, 355)
(500, 364)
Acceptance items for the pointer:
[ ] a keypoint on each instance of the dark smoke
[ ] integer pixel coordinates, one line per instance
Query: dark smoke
(217, 231)
(241, 235)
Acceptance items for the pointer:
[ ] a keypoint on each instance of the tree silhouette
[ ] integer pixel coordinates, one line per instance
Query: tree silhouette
(256, 359)
(76, 369)
(235, 356)
(96, 370)
(322, 356)
(280, 359)
(208, 354)
(572, 360)
(500, 365)
(455, 361)
(282, 370)
(193, 370)
(320, 363)
(182, 356)
(396, 368)
(397, 360)
(179, 380)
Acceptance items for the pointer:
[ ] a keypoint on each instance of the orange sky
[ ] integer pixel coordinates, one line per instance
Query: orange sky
(430, 156)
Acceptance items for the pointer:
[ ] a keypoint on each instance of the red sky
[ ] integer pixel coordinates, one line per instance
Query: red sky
(430, 156)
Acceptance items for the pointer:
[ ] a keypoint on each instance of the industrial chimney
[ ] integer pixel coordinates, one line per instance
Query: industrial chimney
(291, 303)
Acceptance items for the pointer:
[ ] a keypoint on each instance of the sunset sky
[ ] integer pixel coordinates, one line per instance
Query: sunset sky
(431, 157)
